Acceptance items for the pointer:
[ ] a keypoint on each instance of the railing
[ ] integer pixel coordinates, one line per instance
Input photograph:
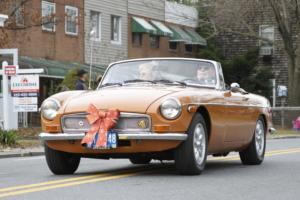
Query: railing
(283, 117)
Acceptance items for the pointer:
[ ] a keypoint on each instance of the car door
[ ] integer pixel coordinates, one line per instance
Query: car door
(238, 116)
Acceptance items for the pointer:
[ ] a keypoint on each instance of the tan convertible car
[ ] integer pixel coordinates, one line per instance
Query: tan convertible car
(159, 108)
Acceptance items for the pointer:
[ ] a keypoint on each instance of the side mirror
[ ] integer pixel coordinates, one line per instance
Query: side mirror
(235, 87)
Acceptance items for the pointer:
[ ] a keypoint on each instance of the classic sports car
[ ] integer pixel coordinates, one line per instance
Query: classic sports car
(158, 108)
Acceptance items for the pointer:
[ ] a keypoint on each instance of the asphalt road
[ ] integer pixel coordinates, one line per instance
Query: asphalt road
(224, 178)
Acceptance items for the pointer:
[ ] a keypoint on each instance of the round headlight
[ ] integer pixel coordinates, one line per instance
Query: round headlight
(49, 108)
(170, 108)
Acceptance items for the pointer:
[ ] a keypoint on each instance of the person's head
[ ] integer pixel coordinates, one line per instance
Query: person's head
(82, 74)
(201, 72)
(146, 71)
(206, 73)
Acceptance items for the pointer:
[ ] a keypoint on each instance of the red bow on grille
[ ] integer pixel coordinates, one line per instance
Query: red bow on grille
(101, 122)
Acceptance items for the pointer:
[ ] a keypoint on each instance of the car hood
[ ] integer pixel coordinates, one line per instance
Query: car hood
(126, 98)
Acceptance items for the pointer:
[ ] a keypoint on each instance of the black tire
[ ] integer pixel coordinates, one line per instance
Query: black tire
(61, 163)
(250, 155)
(185, 159)
(140, 159)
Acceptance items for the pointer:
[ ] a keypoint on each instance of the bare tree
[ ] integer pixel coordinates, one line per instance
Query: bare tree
(237, 17)
(287, 15)
(17, 15)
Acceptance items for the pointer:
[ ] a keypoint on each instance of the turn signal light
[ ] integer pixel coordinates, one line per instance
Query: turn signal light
(52, 129)
(161, 128)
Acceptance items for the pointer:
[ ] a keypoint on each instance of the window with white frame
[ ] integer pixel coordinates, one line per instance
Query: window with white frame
(116, 29)
(266, 32)
(95, 25)
(48, 16)
(71, 23)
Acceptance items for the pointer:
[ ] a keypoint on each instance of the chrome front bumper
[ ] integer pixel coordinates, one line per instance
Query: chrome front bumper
(123, 136)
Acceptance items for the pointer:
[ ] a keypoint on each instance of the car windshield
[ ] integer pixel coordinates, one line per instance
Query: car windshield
(187, 72)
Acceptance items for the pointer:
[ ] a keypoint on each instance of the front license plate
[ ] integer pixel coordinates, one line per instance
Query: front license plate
(112, 140)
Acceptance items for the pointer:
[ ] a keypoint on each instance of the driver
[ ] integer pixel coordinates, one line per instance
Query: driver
(206, 75)
(146, 71)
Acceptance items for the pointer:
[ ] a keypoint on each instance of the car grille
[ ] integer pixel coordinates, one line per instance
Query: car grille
(127, 122)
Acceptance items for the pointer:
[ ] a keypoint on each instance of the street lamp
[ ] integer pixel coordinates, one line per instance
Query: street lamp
(92, 38)
(3, 18)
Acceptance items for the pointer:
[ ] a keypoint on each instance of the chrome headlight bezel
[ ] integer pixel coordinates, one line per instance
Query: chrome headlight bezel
(50, 108)
(171, 103)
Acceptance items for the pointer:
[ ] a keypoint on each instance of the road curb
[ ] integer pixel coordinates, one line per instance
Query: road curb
(21, 154)
(284, 137)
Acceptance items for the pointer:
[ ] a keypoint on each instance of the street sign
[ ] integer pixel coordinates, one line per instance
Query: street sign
(282, 91)
(25, 90)
(10, 70)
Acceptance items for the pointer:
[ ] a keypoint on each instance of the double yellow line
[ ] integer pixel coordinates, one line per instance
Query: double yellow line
(30, 188)
(36, 187)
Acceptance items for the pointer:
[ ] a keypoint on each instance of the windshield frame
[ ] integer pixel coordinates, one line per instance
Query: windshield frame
(215, 64)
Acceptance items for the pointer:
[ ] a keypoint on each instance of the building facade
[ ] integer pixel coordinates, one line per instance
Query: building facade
(157, 29)
(54, 38)
(272, 54)
(59, 35)
(105, 31)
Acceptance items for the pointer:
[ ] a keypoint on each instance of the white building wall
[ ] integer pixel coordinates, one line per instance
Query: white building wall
(154, 9)
(181, 14)
(104, 52)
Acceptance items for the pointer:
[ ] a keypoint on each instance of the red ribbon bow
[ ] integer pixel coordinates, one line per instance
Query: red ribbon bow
(101, 122)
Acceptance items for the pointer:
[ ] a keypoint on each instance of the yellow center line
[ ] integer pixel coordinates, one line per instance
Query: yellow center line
(277, 152)
(52, 182)
(74, 183)
(24, 189)
(67, 180)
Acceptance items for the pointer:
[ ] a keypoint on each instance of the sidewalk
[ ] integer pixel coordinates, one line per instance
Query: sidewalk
(20, 152)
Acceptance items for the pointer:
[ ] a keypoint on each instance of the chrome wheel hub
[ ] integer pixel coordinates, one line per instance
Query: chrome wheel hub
(259, 137)
(199, 143)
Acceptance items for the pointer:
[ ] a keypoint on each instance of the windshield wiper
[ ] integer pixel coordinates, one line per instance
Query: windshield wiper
(138, 81)
(166, 81)
(110, 84)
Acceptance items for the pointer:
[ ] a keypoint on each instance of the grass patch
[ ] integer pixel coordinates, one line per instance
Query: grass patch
(8, 138)
(285, 133)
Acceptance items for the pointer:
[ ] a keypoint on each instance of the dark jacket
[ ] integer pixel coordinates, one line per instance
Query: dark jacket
(80, 85)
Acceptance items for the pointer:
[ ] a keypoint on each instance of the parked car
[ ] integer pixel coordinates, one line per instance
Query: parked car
(160, 108)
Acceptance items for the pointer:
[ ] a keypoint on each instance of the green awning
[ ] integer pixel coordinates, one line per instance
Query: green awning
(56, 69)
(179, 35)
(161, 28)
(196, 38)
(140, 25)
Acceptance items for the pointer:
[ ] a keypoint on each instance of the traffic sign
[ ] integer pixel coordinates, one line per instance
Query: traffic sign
(10, 70)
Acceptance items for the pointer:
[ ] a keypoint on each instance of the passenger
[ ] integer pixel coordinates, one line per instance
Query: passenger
(146, 71)
(206, 75)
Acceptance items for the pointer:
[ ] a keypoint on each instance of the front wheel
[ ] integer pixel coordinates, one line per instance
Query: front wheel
(190, 157)
(61, 163)
(255, 152)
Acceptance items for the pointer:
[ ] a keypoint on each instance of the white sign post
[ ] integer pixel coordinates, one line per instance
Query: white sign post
(10, 118)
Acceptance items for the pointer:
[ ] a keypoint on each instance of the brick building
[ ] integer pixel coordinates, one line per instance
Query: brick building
(272, 55)
(58, 35)
(162, 29)
(49, 35)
